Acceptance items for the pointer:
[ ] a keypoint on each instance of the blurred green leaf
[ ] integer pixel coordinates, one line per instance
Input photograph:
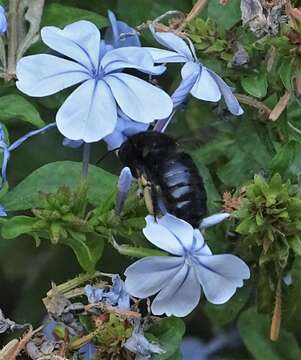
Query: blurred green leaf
(88, 249)
(255, 329)
(142, 10)
(286, 71)
(225, 313)
(168, 332)
(284, 157)
(255, 85)
(17, 226)
(242, 163)
(213, 196)
(16, 107)
(50, 177)
(292, 306)
(62, 15)
(225, 16)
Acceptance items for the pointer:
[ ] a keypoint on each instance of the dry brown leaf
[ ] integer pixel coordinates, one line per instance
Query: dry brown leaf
(281, 105)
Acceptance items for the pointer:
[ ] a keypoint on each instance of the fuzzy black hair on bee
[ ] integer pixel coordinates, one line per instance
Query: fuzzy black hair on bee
(165, 171)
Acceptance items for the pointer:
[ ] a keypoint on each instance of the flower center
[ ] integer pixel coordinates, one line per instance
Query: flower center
(190, 259)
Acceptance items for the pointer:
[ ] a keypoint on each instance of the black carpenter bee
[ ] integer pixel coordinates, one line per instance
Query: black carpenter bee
(166, 172)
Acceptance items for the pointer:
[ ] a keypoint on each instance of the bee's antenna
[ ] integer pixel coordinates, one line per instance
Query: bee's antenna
(106, 154)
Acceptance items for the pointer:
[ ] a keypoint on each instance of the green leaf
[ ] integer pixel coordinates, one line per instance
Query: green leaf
(168, 332)
(295, 244)
(225, 16)
(286, 71)
(213, 196)
(255, 85)
(50, 177)
(254, 329)
(242, 163)
(61, 15)
(17, 226)
(284, 157)
(292, 317)
(87, 250)
(16, 107)
(225, 313)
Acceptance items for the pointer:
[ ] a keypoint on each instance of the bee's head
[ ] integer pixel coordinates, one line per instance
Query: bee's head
(144, 149)
(130, 155)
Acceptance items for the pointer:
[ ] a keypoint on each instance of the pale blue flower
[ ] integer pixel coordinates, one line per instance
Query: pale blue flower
(90, 112)
(87, 351)
(204, 84)
(139, 345)
(3, 213)
(125, 127)
(116, 296)
(120, 34)
(94, 294)
(3, 21)
(124, 184)
(178, 278)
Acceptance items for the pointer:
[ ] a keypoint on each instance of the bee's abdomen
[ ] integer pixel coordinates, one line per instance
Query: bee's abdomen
(182, 188)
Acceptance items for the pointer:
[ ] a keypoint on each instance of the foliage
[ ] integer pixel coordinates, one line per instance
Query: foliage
(250, 166)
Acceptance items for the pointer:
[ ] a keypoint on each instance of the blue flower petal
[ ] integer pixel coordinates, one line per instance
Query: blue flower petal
(125, 127)
(124, 184)
(94, 294)
(161, 236)
(181, 229)
(149, 275)
(43, 75)
(89, 113)
(230, 99)
(166, 56)
(118, 295)
(139, 345)
(3, 213)
(88, 351)
(180, 296)
(3, 21)
(205, 87)
(220, 275)
(138, 99)
(173, 42)
(79, 41)
(213, 220)
(130, 57)
(120, 34)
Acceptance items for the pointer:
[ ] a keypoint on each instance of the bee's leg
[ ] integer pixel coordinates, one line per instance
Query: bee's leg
(147, 193)
(154, 197)
(124, 184)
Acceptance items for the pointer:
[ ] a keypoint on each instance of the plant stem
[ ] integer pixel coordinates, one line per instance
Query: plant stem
(276, 319)
(12, 39)
(86, 160)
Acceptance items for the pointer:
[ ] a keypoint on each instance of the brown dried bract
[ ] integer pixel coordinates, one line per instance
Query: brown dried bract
(231, 202)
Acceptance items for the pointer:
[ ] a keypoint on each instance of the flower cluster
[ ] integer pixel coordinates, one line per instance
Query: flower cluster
(178, 279)
(111, 104)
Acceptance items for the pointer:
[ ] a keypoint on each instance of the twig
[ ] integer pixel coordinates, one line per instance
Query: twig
(12, 38)
(197, 8)
(33, 15)
(17, 346)
(248, 100)
(281, 105)
(276, 319)
(126, 314)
